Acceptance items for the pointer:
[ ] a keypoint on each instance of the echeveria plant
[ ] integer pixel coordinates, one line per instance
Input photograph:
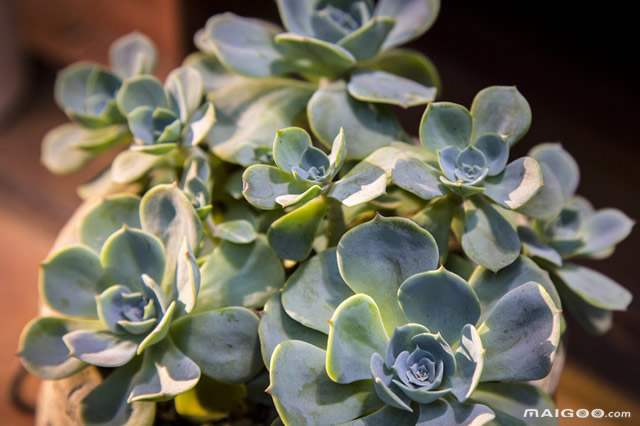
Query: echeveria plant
(358, 275)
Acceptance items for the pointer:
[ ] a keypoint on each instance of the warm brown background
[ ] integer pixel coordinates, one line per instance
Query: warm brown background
(577, 68)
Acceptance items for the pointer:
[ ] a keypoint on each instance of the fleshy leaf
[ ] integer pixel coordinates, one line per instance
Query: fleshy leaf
(214, 74)
(386, 389)
(289, 146)
(366, 41)
(520, 335)
(141, 91)
(365, 182)
(595, 320)
(520, 181)
(107, 216)
(469, 363)
(376, 257)
(449, 412)
(264, 184)
(386, 88)
(445, 124)
(356, 334)
(549, 201)
(71, 279)
(594, 287)
(413, 18)
(314, 291)
(407, 63)
(160, 331)
(313, 398)
(603, 230)
(185, 85)
(441, 301)
(561, 164)
(502, 110)
(495, 150)
(276, 327)
(187, 278)
(165, 373)
(133, 54)
(293, 234)
(388, 416)
(224, 343)
(299, 199)
(197, 405)
(436, 218)
(200, 124)
(236, 231)
(100, 348)
(240, 275)
(314, 56)
(131, 165)
(534, 247)
(60, 151)
(366, 127)
(488, 238)
(417, 177)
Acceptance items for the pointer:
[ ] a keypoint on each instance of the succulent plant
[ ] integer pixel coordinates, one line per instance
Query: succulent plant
(413, 344)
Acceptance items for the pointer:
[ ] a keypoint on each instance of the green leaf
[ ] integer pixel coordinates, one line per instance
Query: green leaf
(519, 183)
(595, 320)
(198, 406)
(376, 257)
(276, 327)
(133, 54)
(129, 165)
(436, 218)
(60, 151)
(165, 373)
(292, 235)
(295, 16)
(603, 230)
(510, 401)
(236, 231)
(289, 146)
(100, 348)
(520, 335)
(488, 238)
(386, 88)
(245, 46)
(366, 127)
(166, 212)
(365, 42)
(185, 85)
(249, 111)
(106, 216)
(129, 253)
(441, 301)
(387, 416)
(200, 125)
(445, 124)
(492, 286)
(409, 64)
(365, 182)
(418, 178)
(356, 333)
(595, 288)
(42, 351)
(495, 151)
(160, 331)
(288, 200)
(107, 403)
(264, 184)
(71, 279)
(140, 91)
(304, 394)
(240, 275)
(469, 363)
(549, 201)
(561, 164)
(314, 56)
(534, 247)
(413, 18)
(224, 343)
(314, 291)
(502, 110)
(448, 411)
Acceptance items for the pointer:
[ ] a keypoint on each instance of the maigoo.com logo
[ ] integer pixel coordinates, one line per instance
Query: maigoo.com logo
(581, 413)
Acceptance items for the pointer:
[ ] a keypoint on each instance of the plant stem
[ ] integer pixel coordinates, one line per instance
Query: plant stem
(337, 227)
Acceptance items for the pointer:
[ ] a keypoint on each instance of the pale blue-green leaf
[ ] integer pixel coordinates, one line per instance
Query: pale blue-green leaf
(488, 238)
(296, 15)
(387, 88)
(308, 195)
(109, 306)
(101, 348)
(264, 184)
(129, 165)
(492, 286)
(129, 253)
(356, 334)
(276, 327)
(365, 182)
(510, 401)
(436, 218)
(469, 363)
(386, 389)
(460, 265)
(441, 301)
(561, 164)
(401, 341)
(133, 54)
(71, 279)
(224, 343)
(338, 153)
(386, 416)
(200, 125)
(502, 110)
(418, 178)
(594, 287)
(413, 18)
(187, 278)
(160, 331)
(248, 112)
(314, 291)
(520, 335)
(106, 216)
(520, 181)
(143, 90)
(495, 150)
(237, 231)
(165, 373)
(447, 157)
(314, 56)
(304, 394)
(292, 235)
(376, 257)
(214, 75)
(445, 124)
(421, 396)
(448, 412)
(534, 247)
(365, 42)
(42, 351)
(407, 63)
(289, 146)
(549, 201)
(185, 85)
(603, 230)
(240, 275)
(367, 127)
(60, 152)
(595, 320)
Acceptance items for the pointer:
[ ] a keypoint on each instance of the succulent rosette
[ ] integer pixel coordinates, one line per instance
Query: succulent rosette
(125, 299)
(389, 338)
(574, 230)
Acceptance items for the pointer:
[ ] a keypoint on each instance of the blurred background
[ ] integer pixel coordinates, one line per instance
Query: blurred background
(577, 66)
